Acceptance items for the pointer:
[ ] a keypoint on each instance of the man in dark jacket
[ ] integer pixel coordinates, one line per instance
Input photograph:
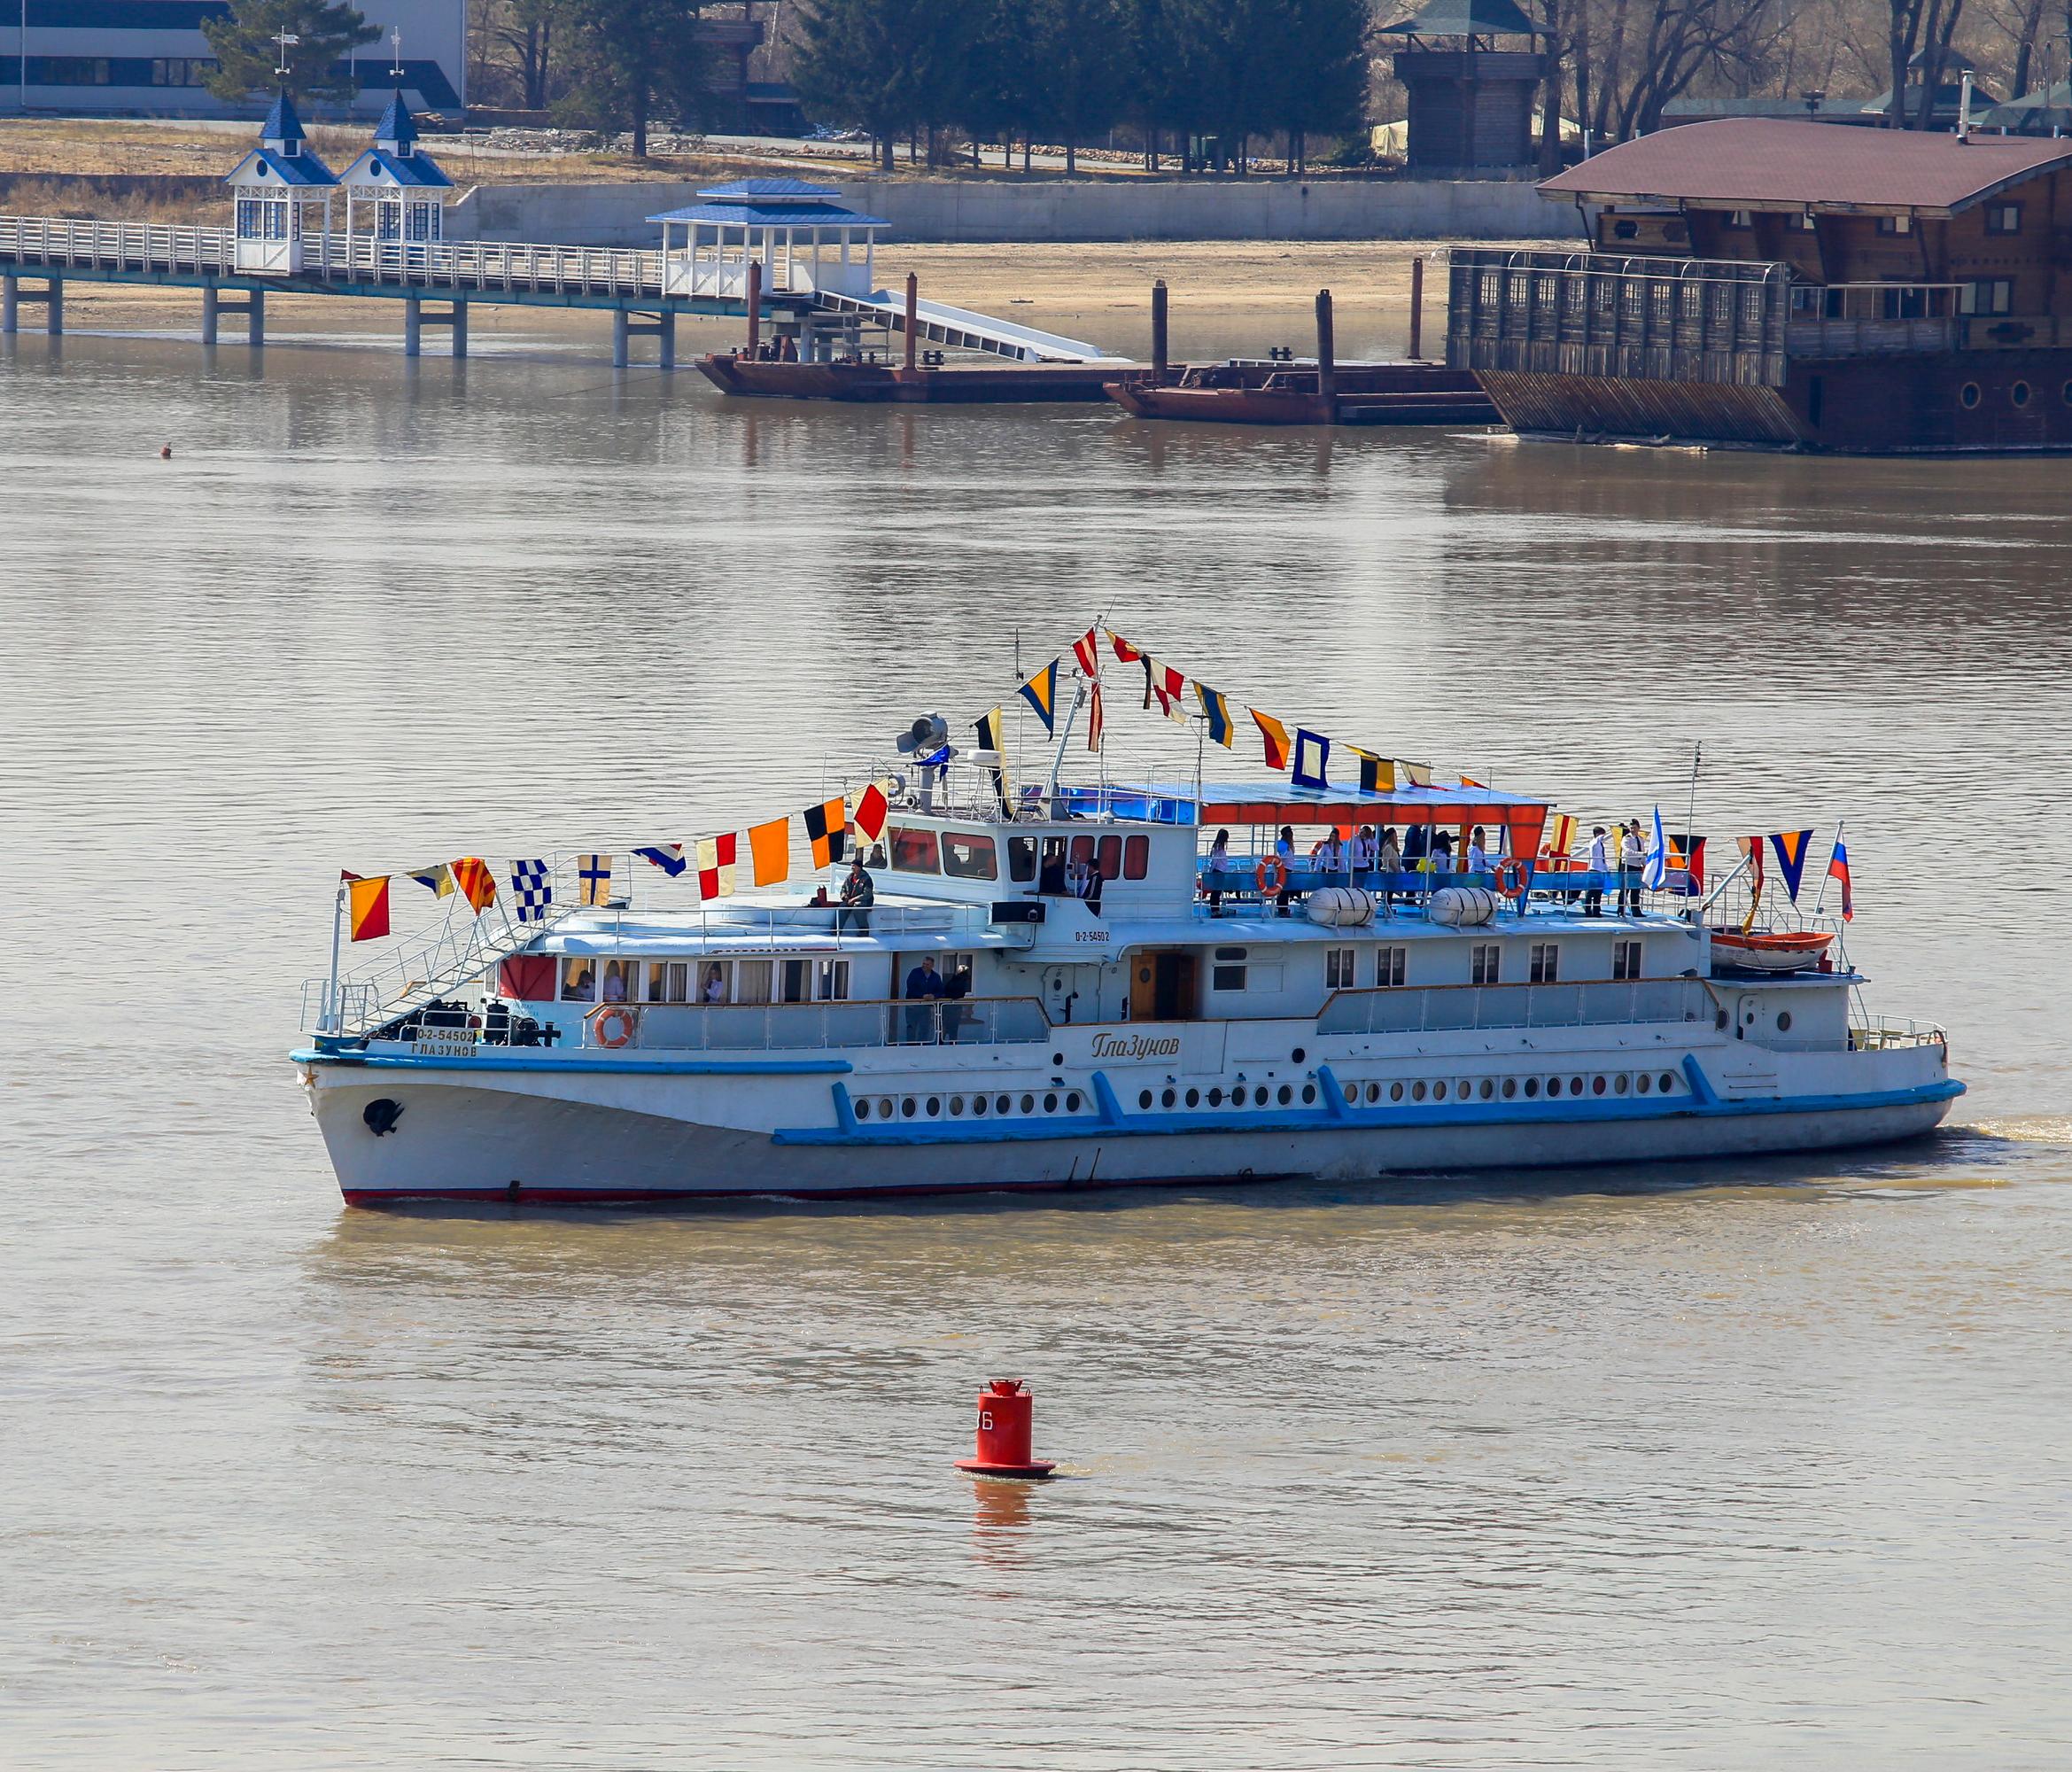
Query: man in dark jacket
(924, 990)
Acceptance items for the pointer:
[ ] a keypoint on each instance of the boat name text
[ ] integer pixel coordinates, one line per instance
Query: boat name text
(1135, 1046)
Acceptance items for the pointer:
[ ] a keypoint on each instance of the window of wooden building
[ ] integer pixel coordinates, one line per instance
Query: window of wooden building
(1987, 295)
(1895, 224)
(2003, 218)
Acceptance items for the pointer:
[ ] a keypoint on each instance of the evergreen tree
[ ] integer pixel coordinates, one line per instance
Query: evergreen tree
(248, 55)
(1004, 97)
(884, 66)
(1080, 52)
(632, 61)
(1324, 66)
(1155, 82)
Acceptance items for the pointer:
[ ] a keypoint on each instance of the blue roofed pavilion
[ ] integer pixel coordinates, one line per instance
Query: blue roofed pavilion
(803, 235)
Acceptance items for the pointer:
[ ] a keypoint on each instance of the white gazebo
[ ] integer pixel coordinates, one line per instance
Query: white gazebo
(284, 195)
(804, 240)
(395, 193)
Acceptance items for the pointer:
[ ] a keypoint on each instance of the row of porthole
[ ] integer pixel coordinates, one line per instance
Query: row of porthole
(931, 1106)
(1618, 1083)
(2017, 395)
(1260, 1095)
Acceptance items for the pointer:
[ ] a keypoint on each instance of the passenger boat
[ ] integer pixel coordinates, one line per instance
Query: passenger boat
(1769, 950)
(1184, 1024)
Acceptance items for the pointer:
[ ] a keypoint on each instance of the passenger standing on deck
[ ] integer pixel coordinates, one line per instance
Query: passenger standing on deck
(1285, 853)
(1417, 846)
(924, 990)
(1600, 864)
(1477, 860)
(1364, 850)
(859, 893)
(1630, 857)
(1218, 863)
(1388, 861)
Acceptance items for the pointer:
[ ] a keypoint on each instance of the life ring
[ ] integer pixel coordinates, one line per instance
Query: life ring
(1512, 877)
(1271, 875)
(613, 1027)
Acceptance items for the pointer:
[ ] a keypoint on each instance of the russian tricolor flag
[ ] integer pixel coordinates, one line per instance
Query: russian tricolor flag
(1838, 869)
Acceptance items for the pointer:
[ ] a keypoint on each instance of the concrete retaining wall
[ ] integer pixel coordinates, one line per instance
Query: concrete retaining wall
(1137, 209)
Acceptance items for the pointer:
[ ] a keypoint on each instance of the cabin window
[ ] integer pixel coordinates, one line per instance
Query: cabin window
(2019, 393)
(968, 856)
(1800, 221)
(1625, 230)
(1486, 963)
(1022, 857)
(1895, 224)
(578, 981)
(1987, 295)
(714, 979)
(622, 980)
(1626, 959)
(915, 852)
(1136, 856)
(1739, 220)
(1339, 968)
(668, 981)
(1227, 978)
(1544, 962)
(1388, 966)
(792, 977)
(831, 982)
(260, 218)
(1968, 395)
(751, 981)
(2003, 218)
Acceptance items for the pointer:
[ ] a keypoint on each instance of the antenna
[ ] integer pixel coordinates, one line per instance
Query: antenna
(1690, 817)
(395, 54)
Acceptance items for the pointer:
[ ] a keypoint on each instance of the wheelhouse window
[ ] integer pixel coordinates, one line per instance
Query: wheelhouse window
(1544, 962)
(915, 852)
(1388, 967)
(1987, 295)
(1485, 963)
(967, 854)
(578, 981)
(668, 981)
(2003, 218)
(1338, 968)
(1626, 959)
(621, 981)
(1021, 858)
(1136, 856)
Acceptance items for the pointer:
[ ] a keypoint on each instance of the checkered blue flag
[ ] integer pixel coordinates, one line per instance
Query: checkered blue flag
(532, 886)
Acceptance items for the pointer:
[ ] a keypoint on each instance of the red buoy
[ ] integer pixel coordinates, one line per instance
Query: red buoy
(1007, 1412)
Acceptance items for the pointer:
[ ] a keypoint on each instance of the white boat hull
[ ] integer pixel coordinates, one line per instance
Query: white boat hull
(577, 1131)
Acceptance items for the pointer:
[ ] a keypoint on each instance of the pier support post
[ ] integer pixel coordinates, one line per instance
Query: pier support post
(454, 318)
(214, 308)
(12, 296)
(1159, 355)
(913, 285)
(622, 329)
(1416, 307)
(665, 339)
(1327, 366)
(255, 319)
(208, 314)
(413, 324)
(755, 308)
(625, 327)
(459, 324)
(54, 306)
(9, 304)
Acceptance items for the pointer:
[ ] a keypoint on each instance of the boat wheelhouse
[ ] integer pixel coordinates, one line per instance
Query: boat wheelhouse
(1059, 988)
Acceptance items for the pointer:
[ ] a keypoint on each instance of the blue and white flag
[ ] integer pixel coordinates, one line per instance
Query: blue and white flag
(1655, 874)
(532, 886)
(669, 856)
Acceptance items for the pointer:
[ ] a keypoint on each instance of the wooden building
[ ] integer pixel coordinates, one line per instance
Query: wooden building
(1470, 69)
(1790, 283)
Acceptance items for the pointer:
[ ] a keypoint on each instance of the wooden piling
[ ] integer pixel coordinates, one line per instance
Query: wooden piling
(913, 296)
(1327, 368)
(755, 308)
(1416, 307)
(1158, 355)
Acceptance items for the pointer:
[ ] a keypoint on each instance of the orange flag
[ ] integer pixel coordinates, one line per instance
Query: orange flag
(367, 908)
(770, 847)
(472, 874)
(1276, 735)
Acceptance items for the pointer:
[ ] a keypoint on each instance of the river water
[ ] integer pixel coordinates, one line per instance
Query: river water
(1726, 1466)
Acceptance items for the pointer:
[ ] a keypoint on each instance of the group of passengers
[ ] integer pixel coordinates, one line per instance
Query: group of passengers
(935, 1009)
(1370, 849)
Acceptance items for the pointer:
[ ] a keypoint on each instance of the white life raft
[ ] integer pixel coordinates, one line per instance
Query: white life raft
(1340, 907)
(1462, 908)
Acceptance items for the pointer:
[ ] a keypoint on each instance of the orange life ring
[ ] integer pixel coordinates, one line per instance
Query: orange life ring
(1512, 877)
(617, 1018)
(1271, 875)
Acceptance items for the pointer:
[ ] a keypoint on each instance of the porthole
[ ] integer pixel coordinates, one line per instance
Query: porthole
(1004, 1104)
(1668, 1082)
(957, 1107)
(1287, 1095)
(935, 1105)
(1169, 1099)
(1554, 1086)
(884, 1106)
(1194, 1097)
(1396, 1092)
(1237, 1096)
(1532, 1087)
(978, 1106)
(1968, 395)
(1373, 1094)
(863, 1110)
(1297, 1054)
(1784, 1020)
(1072, 1102)
(1619, 1083)
(1597, 1086)
(1057, 1059)
(1575, 1085)
(1643, 1082)
(1417, 1092)
(1719, 1021)
(1029, 1104)
(1215, 1098)
(1510, 1087)
(1309, 1094)
(2018, 395)
(909, 1107)
(1144, 1098)
(1465, 1088)
(1438, 1091)
(2065, 393)
(1351, 1092)
(1487, 1089)
(1050, 1103)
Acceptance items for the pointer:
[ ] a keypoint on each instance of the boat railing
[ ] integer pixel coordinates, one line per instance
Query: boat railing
(1412, 887)
(816, 1027)
(1884, 1034)
(1455, 1008)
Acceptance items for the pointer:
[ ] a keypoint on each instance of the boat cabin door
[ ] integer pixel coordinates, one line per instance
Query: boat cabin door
(1162, 985)
(1745, 1016)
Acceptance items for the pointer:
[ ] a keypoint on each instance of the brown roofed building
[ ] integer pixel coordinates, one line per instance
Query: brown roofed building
(1790, 283)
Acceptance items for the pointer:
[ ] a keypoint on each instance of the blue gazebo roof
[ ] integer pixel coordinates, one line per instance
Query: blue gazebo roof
(282, 124)
(304, 169)
(418, 170)
(774, 215)
(398, 127)
(771, 190)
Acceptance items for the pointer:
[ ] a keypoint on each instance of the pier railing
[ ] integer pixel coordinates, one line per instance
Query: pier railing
(1461, 1008)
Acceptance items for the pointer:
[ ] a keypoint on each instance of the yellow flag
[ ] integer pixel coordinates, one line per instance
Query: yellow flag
(769, 848)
